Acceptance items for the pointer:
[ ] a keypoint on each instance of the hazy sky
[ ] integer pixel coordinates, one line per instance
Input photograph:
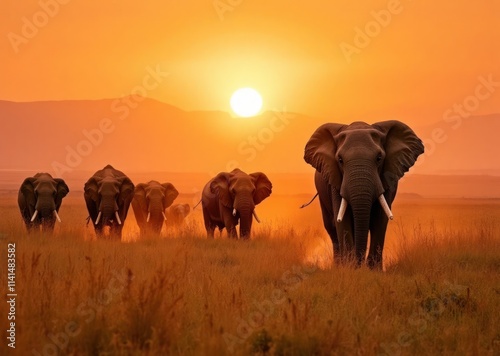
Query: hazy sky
(323, 58)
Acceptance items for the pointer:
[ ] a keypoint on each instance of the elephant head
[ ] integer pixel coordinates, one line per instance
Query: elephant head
(108, 194)
(177, 213)
(361, 165)
(240, 193)
(40, 198)
(149, 204)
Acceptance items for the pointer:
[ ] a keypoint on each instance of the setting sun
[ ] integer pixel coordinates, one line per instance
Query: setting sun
(246, 102)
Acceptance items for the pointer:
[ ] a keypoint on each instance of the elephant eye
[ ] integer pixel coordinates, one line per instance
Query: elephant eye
(341, 161)
(379, 157)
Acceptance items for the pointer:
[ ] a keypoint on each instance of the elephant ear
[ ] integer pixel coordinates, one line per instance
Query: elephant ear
(402, 148)
(91, 189)
(27, 191)
(127, 189)
(263, 187)
(320, 153)
(62, 191)
(170, 194)
(220, 187)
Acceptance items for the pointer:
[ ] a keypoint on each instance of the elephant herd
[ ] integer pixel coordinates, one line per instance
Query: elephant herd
(358, 167)
(108, 195)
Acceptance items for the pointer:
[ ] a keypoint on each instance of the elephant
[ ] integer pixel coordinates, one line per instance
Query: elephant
(230, 198)
(177, 213)
(108, 194)
(39, 200)
(149, 204)
(358, 167)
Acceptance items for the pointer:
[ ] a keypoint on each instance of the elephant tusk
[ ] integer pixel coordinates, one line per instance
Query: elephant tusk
(385, 206)
(57, 216)
(256, 217)
(164, 216)
(118, 218)
(234, 211)
(149, 215)
(343, 207)
(98, 218)
(34, 215)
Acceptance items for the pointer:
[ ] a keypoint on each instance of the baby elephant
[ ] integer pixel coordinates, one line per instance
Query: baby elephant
(230, 198)
(177, 214)
(39, 200)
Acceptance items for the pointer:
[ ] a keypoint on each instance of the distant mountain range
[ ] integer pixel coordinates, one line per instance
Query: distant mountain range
(145, 135)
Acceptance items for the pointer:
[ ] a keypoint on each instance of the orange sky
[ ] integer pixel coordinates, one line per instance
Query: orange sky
(423, 59)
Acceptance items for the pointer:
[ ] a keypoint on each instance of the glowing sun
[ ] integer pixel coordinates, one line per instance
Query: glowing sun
(246, 102)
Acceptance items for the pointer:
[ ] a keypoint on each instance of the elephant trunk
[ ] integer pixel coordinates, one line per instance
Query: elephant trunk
(361, 207)
(155, 214)
(245, 208)
(361, 187)
(45, 209)
(108, 212)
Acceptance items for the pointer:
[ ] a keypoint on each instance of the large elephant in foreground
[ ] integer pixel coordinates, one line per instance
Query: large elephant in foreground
(149, 204)
(230, 198)
(357, 171)
(108, 194)
(177, 213)
(39, 200)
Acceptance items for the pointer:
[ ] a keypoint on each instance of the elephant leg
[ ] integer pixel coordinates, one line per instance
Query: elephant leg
(29, 226)
(231, 232)
(209, 225)
(229, 223)
(329, 224)
(345, 236)
(98, 231)
(115, 232)
(331, 230)
(210, 232)
(378, 228)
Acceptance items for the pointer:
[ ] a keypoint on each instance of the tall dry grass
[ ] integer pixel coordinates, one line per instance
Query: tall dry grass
(277, 294)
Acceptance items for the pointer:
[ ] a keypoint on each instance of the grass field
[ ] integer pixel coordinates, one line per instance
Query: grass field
(278, 294)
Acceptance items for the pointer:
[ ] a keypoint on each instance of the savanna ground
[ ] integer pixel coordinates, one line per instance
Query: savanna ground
(277, 294)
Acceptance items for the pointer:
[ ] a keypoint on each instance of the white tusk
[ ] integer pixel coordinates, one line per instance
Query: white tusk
(386, 208)
(164, 217)
(118, 218)
(149, 215)
(98, 218)
(256, 217)
(234, 211)
(34, 215)
(343, 207)
(57, 216)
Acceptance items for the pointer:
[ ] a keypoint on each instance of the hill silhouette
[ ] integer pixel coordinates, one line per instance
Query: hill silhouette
(67, 138)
